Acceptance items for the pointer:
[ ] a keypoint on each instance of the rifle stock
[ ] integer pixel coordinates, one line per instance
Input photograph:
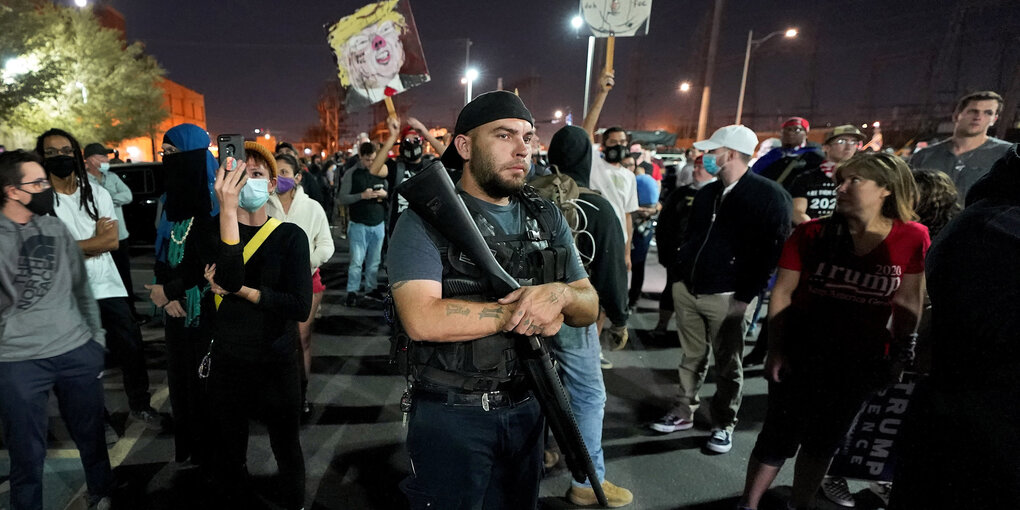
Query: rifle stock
(432, 195)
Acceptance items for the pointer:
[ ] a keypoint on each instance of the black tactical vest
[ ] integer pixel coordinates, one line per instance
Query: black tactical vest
(489, 363)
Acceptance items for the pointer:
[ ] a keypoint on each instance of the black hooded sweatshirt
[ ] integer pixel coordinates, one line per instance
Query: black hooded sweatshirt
(570, 151)
(969, 401)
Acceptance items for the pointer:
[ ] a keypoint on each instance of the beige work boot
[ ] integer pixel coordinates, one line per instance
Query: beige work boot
(585, 496)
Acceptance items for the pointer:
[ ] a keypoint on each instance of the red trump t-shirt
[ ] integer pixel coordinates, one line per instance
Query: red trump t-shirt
(847, 296)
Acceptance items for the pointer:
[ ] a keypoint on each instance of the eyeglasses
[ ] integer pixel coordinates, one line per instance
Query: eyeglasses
(844, 141)
(794, 129)
(36, 186)
(63, 151)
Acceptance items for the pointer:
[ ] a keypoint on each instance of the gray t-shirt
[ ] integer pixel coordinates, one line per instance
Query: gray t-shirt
(964, 169)
(414, 256)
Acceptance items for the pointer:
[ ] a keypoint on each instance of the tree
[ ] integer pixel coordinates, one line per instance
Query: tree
(74, 74)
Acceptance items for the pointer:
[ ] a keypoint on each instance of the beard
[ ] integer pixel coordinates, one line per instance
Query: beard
(488, 177)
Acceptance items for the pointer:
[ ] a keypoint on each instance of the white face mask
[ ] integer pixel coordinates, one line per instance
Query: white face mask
(104, 167)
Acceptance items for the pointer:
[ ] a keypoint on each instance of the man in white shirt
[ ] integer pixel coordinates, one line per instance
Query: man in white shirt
(88, 213)
(616, 183)
(97, 164)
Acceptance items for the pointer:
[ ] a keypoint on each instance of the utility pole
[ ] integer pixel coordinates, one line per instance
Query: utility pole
(467, 65)
(706, 93)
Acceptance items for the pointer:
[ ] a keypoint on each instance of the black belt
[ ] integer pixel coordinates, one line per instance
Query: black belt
(487, 400)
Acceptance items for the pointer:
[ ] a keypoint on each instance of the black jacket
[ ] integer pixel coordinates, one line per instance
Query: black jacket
(733, 244)
(570, 151)
(974, 286)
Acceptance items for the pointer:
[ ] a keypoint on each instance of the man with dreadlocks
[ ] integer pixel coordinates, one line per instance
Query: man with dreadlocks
(88, 213)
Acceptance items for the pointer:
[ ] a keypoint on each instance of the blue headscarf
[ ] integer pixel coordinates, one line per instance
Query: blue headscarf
(187, 137)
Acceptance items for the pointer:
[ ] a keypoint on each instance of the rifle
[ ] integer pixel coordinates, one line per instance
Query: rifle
(431, 194)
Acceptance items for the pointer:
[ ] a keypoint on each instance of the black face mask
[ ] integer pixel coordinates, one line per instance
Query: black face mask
(614, 154)
(41, 203)
(187, 185)
(60, 166)
(410, 150)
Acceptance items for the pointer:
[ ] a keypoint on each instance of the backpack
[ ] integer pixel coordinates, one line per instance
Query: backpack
(563, 192)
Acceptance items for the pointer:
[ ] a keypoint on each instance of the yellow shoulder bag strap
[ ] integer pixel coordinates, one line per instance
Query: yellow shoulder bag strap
(253, 246)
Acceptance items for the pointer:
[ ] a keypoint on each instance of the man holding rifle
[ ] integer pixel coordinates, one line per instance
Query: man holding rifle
(475, 432)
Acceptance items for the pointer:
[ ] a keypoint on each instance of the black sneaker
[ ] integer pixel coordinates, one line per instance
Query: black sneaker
(836, 490)
(352, 300)
(100, 503)
(149, 417)
(720, 441)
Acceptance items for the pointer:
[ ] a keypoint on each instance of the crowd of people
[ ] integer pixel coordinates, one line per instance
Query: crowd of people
(819, 249)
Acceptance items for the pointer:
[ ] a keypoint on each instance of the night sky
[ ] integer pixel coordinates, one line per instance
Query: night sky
(262, 63)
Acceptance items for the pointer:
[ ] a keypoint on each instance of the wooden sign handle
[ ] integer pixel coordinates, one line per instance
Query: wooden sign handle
(610, 48)
(389, 106)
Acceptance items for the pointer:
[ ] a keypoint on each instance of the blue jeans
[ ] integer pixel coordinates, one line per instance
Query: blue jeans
(25, 386)
(366, 248)
(466, 458)
(577, 350)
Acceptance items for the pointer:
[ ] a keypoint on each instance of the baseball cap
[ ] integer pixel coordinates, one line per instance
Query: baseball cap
(797, 121)
(96, 148)
(845, 130)
(735, 136)
(408, 130)
(487, 107)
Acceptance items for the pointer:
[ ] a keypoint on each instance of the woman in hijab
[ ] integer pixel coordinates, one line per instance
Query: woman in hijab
(185, 236)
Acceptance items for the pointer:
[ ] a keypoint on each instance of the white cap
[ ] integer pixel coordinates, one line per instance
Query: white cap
(736, 136)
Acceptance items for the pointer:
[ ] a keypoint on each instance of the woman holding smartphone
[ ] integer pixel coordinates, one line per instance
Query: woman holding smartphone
(263, 287)
(843, 317)
(292, 205)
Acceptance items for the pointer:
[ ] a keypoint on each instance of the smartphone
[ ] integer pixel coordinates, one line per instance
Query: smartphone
(230, 146)
(377, 187)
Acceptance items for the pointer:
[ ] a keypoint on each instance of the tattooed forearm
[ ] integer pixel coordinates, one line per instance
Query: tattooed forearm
(491, 313)
(398, 285)
(456, 310)
(555, 297)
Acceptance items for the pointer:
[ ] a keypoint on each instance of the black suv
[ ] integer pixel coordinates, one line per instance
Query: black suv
(147, 185)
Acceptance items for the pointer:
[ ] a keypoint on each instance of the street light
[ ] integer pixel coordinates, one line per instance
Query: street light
(576, 22)
(558, 114)
(80, 3)
(469, 78)
(789, 33)
(685, 87)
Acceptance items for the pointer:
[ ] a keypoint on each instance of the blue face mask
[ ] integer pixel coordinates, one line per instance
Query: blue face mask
(254, 194)
(710, 164)
(104, 167)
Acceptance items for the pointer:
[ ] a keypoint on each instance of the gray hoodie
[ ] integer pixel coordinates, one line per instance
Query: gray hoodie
(46, 305)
